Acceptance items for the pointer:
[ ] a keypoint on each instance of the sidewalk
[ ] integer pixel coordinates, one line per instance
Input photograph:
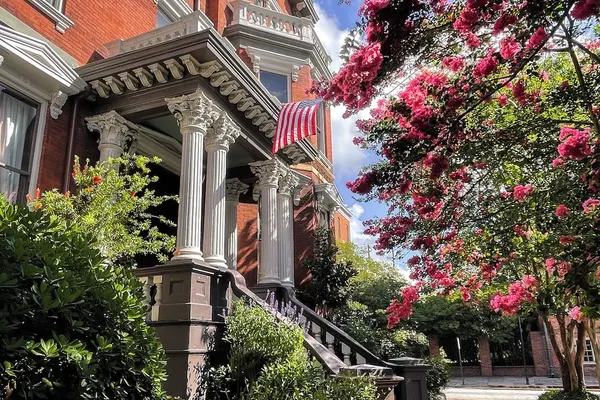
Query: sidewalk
(515, 382)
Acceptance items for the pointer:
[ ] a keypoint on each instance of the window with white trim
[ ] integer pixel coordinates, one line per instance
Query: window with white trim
(18, 120)
(53, 9)
(588, 355)
(277, 84)
(321, 145)
(58, 4)
(162, 19)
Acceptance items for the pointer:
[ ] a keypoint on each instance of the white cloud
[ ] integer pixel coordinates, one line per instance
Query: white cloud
(347, 157)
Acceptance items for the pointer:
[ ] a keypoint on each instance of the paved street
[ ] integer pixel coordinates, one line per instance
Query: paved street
(491, 394)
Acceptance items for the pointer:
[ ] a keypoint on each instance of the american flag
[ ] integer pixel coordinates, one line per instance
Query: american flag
(296, 121)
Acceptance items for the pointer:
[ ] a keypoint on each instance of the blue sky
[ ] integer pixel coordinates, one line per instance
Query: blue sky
(335, 22)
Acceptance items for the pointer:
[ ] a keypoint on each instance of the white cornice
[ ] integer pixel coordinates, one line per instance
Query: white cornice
(271, 61)
(174, 9)
(62, 22)
(33, 61)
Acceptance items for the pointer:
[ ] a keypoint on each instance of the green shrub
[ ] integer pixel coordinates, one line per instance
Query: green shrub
(116, 207)
(438, 376)
(266, 360)
(560, 395)
(71, 327)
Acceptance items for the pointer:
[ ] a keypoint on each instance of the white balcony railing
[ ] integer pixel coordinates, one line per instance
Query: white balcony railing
(191, 23)
(271, 21)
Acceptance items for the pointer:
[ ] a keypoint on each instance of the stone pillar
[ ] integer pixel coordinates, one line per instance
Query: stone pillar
(485, 357)
(268, 173)
(234, 188)
(115, 134)
(194, 115)
(285, 228)
(221, 134)
(540, 355)
(434, 346)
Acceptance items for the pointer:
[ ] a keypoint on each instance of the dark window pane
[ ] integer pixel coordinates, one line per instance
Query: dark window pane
(276, 84)
(17, 125)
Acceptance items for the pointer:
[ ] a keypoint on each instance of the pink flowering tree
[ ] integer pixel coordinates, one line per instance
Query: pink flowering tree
(489, 154)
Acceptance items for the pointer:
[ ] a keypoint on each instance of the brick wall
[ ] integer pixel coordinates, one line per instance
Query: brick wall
(305, 223)
(247, 224)
(342, 228)
(96, 23)
(54, 146)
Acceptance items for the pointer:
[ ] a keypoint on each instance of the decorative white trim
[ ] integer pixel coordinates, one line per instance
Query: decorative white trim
(62, 22)
(329, 199)
(275, 62)
(51, 70)
(58, 101)
(174, 9)
(1, 60)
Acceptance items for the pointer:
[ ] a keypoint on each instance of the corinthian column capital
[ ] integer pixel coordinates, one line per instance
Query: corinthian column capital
(268, 172)
(235, 188)
(192, 111)
(116, 133)
(221, 133)
(288, 183)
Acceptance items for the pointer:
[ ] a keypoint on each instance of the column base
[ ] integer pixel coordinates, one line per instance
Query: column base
(217, 262)
(188, 254)
(288, 284)
(263, 288)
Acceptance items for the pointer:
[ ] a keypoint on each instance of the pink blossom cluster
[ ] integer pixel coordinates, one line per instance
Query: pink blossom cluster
(562, 211)
(437, 164)
(353, 84)
(561, 268)
(590, 205)
(363, 184)
(585, 9)
(576, 314)
(520, 192)
(400, 310)
(574, 143)
(519, 292)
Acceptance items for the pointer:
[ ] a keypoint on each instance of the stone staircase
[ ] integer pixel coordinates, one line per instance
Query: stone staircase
(209, 294)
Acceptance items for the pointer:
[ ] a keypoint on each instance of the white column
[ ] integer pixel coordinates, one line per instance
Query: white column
(268, 173)
(221, 134)
(115, 134)
(285, 228)
(234, 188)
(194, 115)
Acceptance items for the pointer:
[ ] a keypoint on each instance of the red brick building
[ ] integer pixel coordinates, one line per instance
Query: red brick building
(66, 61)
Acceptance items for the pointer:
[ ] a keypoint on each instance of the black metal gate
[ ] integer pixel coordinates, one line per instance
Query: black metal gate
(468, 347)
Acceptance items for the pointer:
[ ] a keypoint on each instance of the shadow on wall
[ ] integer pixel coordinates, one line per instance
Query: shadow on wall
(248, 242)
(305, 223)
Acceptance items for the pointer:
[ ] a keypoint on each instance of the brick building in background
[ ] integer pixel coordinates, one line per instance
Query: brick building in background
(64, 61)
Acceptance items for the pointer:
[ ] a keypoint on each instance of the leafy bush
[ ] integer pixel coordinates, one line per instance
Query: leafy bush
(561, 395)
(368, 327)
(267, 361)
(329, 287)
(438, 376)
(71, 327)
(115, 206)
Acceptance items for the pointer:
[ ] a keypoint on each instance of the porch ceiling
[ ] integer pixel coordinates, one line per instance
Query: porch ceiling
(136, 83)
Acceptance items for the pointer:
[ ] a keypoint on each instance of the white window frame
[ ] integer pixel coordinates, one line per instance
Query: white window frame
(47, 72)
(321, 140)
(279, 72)
(56, 14)
(174, 9)
(588, 344)
(29, 91)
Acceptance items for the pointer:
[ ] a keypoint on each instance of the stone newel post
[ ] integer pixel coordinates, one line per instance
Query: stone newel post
(234, 187)
(268, 173)
(194, 113)
(220, 136)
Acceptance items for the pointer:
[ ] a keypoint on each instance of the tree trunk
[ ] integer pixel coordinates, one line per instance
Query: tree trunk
(579, 353)
(591, 330)
(571, 363)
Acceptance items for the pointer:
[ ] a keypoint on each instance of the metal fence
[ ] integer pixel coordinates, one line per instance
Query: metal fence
(510, 352)
(469, 350)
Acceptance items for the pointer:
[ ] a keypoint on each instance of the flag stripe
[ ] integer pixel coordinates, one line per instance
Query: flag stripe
(295, 122)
